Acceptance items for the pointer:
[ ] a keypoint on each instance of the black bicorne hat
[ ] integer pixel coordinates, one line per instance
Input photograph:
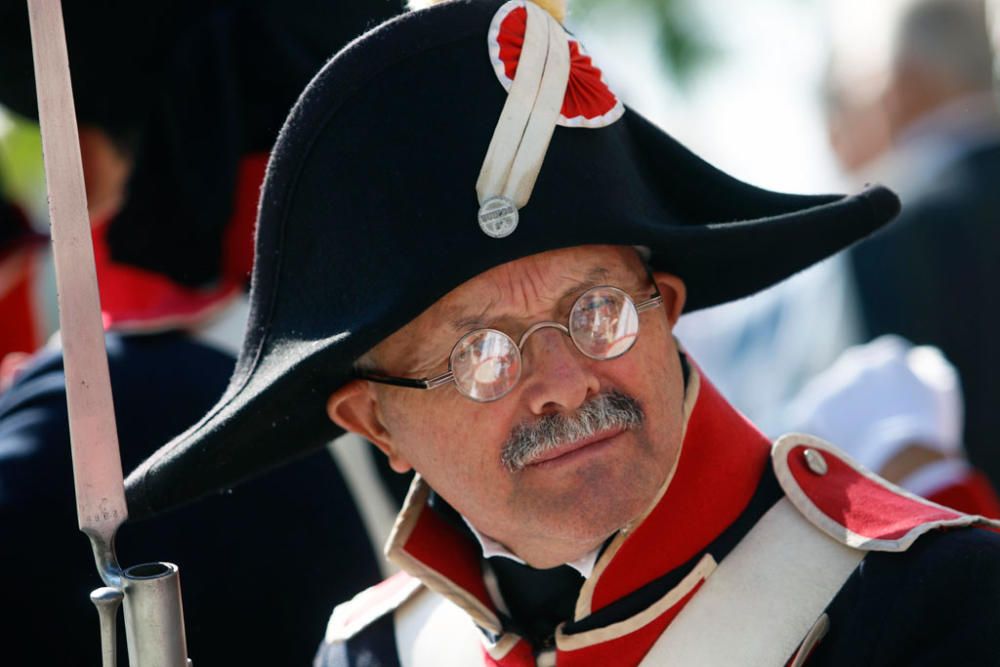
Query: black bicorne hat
(369, 215)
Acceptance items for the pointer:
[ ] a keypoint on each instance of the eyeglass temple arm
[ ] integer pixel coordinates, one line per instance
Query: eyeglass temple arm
(414, 383)
(651, 302)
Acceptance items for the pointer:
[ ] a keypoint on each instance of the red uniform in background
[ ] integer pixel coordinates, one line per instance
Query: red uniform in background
(21, 327)
(137, 299)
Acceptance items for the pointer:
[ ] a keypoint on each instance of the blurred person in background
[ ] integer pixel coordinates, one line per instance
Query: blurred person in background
(934, 277)
(888, 388)
(178, 107)
(763, 350)
(856, 128)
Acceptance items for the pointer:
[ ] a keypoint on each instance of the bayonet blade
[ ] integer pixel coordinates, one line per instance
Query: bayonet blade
(97, 469)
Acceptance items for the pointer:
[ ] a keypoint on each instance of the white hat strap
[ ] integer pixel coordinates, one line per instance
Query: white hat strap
(521, 138)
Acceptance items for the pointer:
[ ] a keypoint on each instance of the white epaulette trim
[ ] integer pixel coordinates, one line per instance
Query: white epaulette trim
(353, 616)
(432, 631)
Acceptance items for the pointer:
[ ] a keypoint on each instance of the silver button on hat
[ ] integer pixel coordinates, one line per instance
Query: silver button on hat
(498, 217)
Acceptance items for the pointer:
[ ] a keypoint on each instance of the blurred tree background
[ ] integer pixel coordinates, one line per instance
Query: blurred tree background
(21, 175)
(682, 41)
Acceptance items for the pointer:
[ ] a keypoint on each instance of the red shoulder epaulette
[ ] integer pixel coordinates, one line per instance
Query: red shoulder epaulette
(853, 505)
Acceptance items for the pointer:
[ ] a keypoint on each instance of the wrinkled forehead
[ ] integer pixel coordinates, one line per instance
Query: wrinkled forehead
(532, 286)
(521, 287)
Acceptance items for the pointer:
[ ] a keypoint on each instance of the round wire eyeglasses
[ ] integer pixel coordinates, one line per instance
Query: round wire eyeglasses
(485, 364)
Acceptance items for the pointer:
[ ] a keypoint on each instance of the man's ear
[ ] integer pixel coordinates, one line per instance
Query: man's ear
(354, 408)
(674, 294)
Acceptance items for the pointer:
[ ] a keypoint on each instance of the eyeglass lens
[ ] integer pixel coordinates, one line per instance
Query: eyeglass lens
(603, 324)
(486, 364)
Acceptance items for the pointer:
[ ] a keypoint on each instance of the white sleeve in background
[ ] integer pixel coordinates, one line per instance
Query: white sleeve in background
(879, 397)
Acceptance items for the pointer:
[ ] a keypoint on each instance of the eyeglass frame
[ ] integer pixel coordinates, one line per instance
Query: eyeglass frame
(448, 377)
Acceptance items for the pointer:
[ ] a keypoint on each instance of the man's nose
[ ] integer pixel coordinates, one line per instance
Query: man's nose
(556, 376)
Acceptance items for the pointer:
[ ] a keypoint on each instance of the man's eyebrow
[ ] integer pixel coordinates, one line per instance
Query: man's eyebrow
(596, 276)
(478, 320)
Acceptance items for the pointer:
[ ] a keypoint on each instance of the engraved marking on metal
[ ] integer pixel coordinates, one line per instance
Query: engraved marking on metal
(498, 217)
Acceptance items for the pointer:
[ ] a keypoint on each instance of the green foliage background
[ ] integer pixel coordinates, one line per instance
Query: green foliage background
(683, 43)
(22, 177)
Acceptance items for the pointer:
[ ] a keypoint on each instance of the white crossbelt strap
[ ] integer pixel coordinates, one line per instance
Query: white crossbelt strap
(762, 599)
(433, 632)
(528, 119)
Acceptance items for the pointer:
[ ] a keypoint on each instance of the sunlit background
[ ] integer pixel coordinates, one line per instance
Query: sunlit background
(738, 82)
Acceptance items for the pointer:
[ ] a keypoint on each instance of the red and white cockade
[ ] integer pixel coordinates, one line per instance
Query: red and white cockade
(589, 101)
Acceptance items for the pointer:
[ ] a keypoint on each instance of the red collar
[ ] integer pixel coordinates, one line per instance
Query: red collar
(721, 462)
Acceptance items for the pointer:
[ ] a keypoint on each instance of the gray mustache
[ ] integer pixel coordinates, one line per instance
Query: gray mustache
(603, 412)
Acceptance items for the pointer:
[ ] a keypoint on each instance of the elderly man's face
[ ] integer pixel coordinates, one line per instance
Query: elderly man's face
(557, 509)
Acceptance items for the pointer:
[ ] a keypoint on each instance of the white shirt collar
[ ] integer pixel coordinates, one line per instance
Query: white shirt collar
(490, 547)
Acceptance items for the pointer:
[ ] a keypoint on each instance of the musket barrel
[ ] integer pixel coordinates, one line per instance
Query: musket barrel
(154, 616)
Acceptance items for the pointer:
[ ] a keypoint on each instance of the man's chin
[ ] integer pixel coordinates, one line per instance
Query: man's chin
(559, 542)
(591, 509)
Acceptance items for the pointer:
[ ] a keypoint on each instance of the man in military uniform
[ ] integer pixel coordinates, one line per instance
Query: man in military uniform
(584, 496)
